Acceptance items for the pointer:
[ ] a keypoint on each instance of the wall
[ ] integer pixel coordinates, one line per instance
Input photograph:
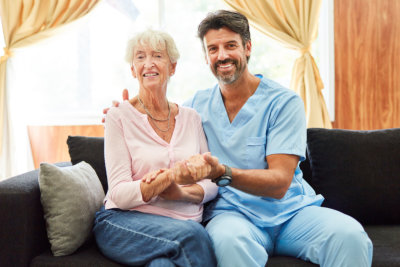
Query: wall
(49, 143)
(367, 64)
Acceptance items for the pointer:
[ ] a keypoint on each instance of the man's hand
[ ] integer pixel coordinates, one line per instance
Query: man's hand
(191, 170)
(182, 173)
(216, 169)
(196, 168)
(125, 96)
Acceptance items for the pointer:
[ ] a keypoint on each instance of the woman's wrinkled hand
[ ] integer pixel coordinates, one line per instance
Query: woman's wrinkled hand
(151, 176)
(155, 182)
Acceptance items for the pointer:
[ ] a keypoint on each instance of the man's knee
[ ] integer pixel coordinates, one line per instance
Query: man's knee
(349, 233)
(352, 243)
(351, 238)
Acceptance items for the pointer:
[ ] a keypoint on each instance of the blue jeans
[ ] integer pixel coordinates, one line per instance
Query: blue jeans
(136, 238)
(320, 235)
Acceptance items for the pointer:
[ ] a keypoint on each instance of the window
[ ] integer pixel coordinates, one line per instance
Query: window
(67, 79)
(324, 54)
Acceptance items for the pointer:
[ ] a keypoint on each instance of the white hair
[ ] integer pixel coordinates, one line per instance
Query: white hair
(157, 40)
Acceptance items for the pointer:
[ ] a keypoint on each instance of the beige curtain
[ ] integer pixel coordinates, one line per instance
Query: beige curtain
(295, 24)
(27, 21)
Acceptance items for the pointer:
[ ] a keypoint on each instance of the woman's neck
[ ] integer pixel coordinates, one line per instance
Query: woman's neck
(154, 101)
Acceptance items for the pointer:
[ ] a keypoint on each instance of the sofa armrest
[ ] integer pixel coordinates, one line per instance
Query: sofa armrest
(22, 225)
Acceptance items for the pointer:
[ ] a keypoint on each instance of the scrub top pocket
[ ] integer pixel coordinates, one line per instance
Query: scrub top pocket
(255, 152)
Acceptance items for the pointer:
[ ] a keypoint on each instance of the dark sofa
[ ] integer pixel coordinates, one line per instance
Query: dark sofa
(358, 173)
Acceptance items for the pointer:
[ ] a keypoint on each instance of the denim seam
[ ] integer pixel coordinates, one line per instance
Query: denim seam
(149, 236)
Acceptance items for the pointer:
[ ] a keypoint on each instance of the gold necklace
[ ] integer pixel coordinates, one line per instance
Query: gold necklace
(157, 120)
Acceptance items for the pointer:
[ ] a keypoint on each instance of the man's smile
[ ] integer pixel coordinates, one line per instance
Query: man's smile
(225, 65)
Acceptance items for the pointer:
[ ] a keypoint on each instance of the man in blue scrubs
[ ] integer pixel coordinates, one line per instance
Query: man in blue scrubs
(257, 130)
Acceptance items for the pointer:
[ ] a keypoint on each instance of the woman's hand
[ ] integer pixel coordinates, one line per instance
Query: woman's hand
(158, 182)
(162, 183)
(151, 176)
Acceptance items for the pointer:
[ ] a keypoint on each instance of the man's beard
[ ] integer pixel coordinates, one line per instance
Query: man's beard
(228, 78)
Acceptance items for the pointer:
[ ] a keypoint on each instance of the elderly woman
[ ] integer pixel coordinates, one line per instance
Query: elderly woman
(148, 219)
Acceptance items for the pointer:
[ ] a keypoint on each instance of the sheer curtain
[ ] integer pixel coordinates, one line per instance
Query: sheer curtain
(294, 23)
(24, 23)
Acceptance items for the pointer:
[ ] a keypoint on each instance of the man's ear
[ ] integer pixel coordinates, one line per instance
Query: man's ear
(206, 58)
(205, 52)
(133, 71)
(248, 48)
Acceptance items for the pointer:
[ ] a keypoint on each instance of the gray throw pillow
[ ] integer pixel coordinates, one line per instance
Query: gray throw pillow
(70, 197)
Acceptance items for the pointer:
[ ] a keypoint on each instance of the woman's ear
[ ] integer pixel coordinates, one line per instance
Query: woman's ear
(133, 71)
(173, 68)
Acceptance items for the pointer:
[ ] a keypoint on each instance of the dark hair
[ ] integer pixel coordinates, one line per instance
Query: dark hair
(224, 18)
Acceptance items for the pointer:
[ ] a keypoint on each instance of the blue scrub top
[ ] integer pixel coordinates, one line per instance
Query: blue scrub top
(272, 121)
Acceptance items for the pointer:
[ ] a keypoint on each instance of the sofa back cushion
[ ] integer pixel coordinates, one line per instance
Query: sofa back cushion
(358, 172)
(90, 150)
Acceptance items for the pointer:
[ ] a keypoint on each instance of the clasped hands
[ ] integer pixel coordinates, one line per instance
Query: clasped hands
(189, 171)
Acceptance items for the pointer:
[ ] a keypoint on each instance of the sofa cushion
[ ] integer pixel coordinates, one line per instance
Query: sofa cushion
(86, 255)
(357, 172)
(70, 197)
(386, 241)
(90, 150)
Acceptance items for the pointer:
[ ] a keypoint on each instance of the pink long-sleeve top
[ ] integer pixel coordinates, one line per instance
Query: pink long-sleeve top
(133, 148)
